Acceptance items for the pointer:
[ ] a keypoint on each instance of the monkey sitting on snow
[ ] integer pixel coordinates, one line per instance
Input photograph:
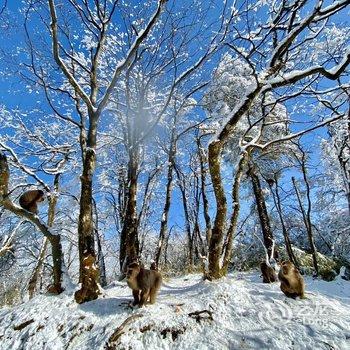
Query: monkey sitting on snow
(144, 283)
(292, 283)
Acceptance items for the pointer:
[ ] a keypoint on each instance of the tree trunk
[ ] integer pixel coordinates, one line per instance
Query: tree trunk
(187, 220)
(197, 237)
(101, 261)
(169, 185)
(308, 226)
(38, 267)
(345, 168)
(234, 216)
(215, 244)
(129, 245)
(277, 201)
(202, 161)
(57, 257)
(57, 254)
(100, 255)
(343, 157)
(33, 281)
(262, 211)
(89, 274)
(166, 245)
(214, 158)
(199, 244)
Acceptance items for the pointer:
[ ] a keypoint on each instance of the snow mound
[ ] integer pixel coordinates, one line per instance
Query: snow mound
(239, 312)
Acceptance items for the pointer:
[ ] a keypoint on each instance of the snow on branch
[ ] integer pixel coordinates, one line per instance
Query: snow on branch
(297, 134)
(6, 202)
(142, 35)
(270, 260)
(317, 15)
(283, 46)
(293, 77)
(237, 113)
(7, 245)
(284, 80)
(23, 167)
(57, 57)
(331, 9)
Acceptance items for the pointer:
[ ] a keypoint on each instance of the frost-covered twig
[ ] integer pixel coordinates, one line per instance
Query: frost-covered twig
(20, 165)
(7, 245)
(268, 259)
(142, 35)
(298, 134)
(6, 202)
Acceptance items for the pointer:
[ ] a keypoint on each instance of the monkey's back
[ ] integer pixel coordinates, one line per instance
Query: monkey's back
(30, 197)
(149, 279)
(297, 282)
(292, 282)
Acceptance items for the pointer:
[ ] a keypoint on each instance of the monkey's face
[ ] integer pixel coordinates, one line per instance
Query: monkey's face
(42, 196)
(132, 272)
(286, 267)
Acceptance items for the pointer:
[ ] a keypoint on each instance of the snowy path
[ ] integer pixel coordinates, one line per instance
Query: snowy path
(247, 314)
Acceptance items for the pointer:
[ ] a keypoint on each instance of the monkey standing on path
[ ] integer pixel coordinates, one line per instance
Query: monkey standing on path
(292, 283)
(144, 283)
(30, 199)
(268, 273)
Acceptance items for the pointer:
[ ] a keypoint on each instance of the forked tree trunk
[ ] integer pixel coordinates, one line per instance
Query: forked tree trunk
(197, 237)
(203, 176)
(235, 214)
(169, 187)
(190, 242)
(277, 200)
(262, 211)
(214, 158)
(33, 281)
(308, 226)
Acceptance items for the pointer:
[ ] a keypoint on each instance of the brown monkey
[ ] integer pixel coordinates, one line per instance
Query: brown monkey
(29, 200)
(292, 283)
(268, 273)
(270, 182)
(144, 283)
(154, 266)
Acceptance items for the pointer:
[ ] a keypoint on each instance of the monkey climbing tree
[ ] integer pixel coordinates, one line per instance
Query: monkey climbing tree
(54, 239)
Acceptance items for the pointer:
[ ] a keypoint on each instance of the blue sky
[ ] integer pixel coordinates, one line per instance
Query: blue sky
(15, 94)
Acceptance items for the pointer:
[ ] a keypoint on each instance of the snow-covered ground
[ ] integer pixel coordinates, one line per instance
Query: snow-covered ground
(246, 314)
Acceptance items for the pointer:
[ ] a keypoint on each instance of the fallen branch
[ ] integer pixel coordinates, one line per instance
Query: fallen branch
(201, 315)
(111, 343)
(23, 325)
(173, 331)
